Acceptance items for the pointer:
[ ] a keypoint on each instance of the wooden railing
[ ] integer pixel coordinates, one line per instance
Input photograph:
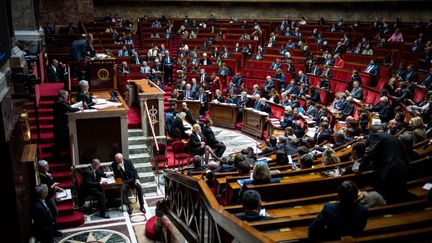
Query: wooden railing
(194, 210)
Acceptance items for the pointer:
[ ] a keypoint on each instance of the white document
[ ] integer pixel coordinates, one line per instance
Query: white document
(77, 105)
(108, 180)
(64, 195)
(427, 186)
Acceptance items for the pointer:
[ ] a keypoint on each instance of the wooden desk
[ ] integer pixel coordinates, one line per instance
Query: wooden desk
(100, 133)
(253, 122)
(193, 106)
(223, 115)
(151, 94)
(118, 185)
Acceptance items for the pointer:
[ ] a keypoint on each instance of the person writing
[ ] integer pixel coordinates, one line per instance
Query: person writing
(92, 186)
(83, 95)
(125, 170)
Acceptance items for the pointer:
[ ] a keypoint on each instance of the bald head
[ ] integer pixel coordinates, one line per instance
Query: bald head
(118, 158)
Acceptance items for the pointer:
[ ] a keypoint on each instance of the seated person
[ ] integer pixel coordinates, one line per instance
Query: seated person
(329, 157)
(197, 144)
(339, 219)
(252, 206)
(178, 129)
(91, 185)
(197, 164)
(83, 94)
(125, 170)
(306, 161)
(218, 146)
(324, 133)
(272, 146)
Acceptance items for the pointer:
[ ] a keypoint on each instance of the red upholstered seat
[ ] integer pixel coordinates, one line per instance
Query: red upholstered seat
(419, 94)
(179, 154)
(381, 82)
(370, 98)
(150, 229)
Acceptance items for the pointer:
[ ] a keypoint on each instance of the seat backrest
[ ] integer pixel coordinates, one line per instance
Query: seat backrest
(178, 147)
(162, 149)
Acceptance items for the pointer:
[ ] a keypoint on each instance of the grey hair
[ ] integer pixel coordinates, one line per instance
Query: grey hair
(182, 115)
(41, 189)
(63, 93)
(42, 163)
(83, 84)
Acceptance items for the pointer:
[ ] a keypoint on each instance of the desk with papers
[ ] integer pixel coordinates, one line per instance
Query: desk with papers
(99, 132)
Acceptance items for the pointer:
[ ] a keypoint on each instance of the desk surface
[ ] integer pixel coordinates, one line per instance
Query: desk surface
(146, 87)
(90, 113)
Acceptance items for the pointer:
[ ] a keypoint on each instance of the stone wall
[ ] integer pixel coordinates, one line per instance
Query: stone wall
(61, 12)
(330, 11)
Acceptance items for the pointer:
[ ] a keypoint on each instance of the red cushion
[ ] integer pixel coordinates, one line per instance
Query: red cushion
(160, 158)
(181, 156)
(150, 229)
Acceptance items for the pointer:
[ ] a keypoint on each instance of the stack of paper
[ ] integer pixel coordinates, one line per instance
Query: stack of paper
(64, 195)
(108, 180)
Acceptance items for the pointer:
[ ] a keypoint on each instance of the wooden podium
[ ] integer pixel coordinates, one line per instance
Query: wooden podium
(103, 74)
(193, 106)
(99, 133)
(224, 115)
(254, 122)
(150, 94)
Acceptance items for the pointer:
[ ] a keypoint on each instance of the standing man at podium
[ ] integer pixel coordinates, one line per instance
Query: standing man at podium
(61, 130)
(168, 62)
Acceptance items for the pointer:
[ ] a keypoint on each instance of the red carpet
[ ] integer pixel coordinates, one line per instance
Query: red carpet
(46, 94)
(134, 118)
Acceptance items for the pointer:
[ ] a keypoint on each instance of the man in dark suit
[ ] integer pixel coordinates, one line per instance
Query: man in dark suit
(263, 106)
(53, 187)
(188, 94)
(168, 62)
(189, 117)
(83, 94)
(384, 109)
(387, 157)
(53, 72)
(78, 49)
(324, 133)
(204, 77)
(202, 97)
(242, 100)
(91, 185)
(217, 146)
(339, 219)
(251, 200)
(61, 130)
(43, 221)
(125, 170)
(372, 68)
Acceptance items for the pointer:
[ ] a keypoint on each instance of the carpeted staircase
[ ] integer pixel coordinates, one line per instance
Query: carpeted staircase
(60, 170)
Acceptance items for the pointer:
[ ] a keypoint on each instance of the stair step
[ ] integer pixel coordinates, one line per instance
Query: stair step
(143, 167)
(149, 187)
(65, 208)
(136, 140)
(137, 149)
(135, 132)
(146, 177)
(140, 155)
(70, 221)
(65, 184)
(59, 166)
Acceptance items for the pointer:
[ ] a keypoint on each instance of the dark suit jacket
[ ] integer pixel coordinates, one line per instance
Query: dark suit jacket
(194, 144)
(221, 99)
(323, 136)
(77, 51)
(189, 116)
(90, 180)
(43, 222)
(49, 181)
(60, 108)
(53, 76)
(251, 216)
(335, 221)
(210, 137)
(208, 61)
(315, 96)
(178, 128)
(129, 174)
(81, 96)
(386, 156)
(348, 111)
(385, 112)
(242, 102)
